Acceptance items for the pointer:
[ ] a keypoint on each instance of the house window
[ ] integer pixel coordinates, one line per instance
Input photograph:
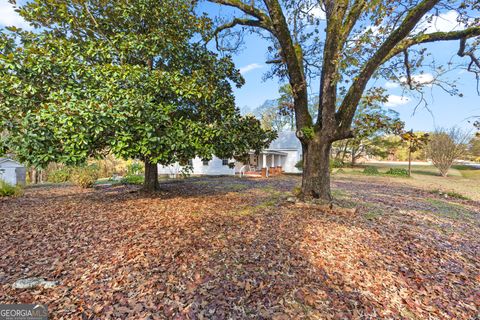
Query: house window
(205, 162)
(225, 162)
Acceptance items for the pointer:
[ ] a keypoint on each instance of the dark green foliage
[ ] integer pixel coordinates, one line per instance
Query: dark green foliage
(371, 171)
(398, 172)
(135, 168)
(132, 79)
(133, 179)
(299, 165)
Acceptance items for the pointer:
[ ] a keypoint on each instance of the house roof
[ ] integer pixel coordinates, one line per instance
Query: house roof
(274, 152)
(287, 140)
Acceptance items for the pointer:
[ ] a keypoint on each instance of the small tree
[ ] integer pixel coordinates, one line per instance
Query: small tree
(416, 141)
(279, 114)
(370, 122)
(445, 146)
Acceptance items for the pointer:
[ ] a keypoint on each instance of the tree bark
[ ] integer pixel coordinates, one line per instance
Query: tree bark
(316, 171)
(410, 159)
(151, 177)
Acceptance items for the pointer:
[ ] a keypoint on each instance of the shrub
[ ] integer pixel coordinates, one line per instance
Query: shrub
(371, 171)
(398, 172)
(299, 165)
(84, 177)
(133, 179)
(7, 190)
(445, 146)
(334, 163)
(135, 169)
(59, 176)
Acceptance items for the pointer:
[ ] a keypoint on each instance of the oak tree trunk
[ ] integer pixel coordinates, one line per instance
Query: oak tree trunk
(151, 176)
(316, 171)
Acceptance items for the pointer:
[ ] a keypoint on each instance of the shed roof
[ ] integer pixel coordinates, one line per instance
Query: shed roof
(5, 161)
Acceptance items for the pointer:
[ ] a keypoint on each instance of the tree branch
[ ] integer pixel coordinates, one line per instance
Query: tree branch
(248, 9)
(292, 54)
(334, 43)
(406, 62)
(473, 61)
(349, 105)
(262, 19)
(433, 37)
(243, 22)
(352, 17)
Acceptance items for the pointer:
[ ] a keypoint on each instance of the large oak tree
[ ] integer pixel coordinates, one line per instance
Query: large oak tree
(361, 39)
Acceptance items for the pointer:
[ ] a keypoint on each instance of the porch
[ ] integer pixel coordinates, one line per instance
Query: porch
(266, 164)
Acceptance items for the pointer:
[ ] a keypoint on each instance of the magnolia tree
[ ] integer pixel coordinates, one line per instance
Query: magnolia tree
(121, 77)
(445, 146)
(346, 43)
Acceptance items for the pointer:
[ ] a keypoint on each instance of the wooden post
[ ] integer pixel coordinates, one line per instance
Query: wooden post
(264, 165)
(264, 172)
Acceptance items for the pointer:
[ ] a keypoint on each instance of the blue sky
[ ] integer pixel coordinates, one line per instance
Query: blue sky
(446, 111)
(443, 109)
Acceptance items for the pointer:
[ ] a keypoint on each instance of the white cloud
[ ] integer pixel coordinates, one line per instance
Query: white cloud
(250, 67)
(9, 17)
(444, 22)
(420, 79)
(391, 84)
(423, 79)
(395, 101)
(318, 13)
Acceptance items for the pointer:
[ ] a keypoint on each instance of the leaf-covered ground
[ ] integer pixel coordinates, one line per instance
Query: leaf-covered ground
(230, 248)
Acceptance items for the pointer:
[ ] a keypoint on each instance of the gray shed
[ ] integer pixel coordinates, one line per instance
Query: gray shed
(12, 171)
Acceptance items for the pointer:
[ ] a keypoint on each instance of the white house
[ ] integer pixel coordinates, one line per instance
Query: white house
(12, 172)
(282, 154)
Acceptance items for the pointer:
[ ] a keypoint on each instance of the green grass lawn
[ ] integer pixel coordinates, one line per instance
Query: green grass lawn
(463, 180)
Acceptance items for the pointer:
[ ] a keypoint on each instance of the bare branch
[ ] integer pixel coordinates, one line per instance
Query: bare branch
(473, 61)
(243, 22)
(248, 9)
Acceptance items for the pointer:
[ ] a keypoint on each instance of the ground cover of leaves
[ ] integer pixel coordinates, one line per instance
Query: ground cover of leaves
(231, 248)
